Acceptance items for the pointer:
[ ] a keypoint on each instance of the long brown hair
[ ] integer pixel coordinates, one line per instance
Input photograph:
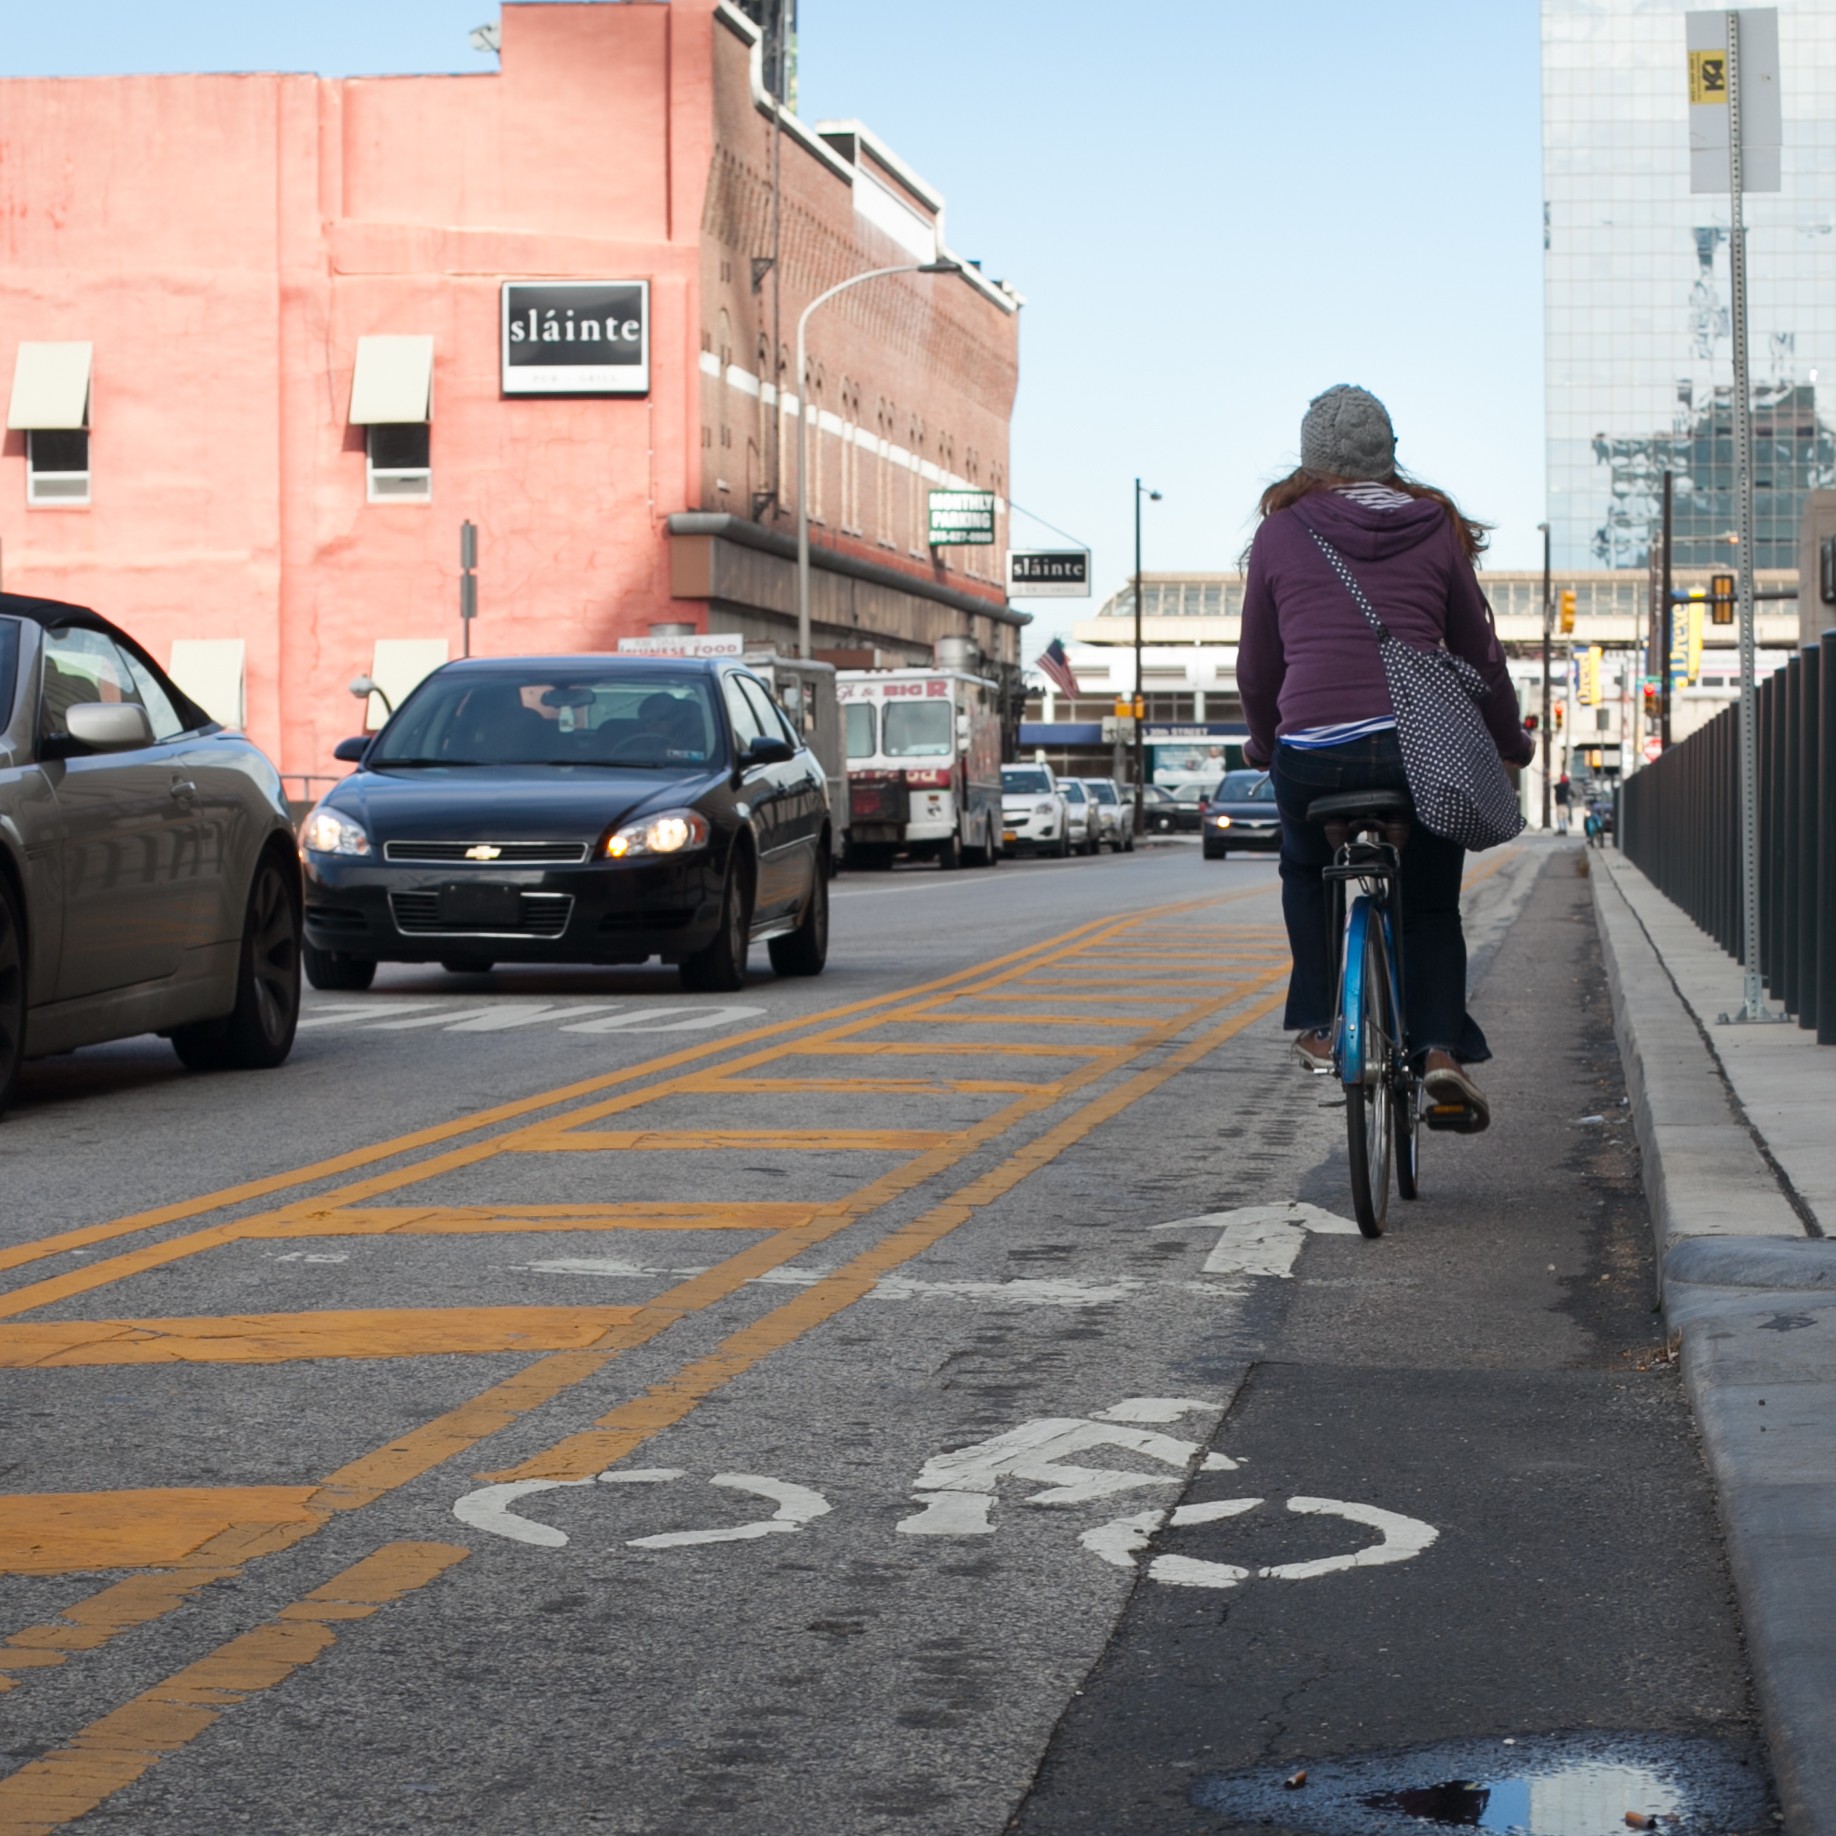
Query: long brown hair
(1302, 483)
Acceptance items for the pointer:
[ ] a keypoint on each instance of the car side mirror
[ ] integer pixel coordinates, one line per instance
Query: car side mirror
(764, 750)
(351, 751)
(108, 726)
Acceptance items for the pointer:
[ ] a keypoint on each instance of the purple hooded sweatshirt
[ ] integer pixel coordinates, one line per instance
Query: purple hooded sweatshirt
(1308, 657)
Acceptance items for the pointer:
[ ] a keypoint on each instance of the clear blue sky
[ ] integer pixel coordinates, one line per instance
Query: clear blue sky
(1214, 210)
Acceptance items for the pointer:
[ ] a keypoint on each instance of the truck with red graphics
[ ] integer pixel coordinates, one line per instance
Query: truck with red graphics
(924, 766)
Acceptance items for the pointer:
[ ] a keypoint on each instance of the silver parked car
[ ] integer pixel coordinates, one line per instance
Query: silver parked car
(1115, 816)
(149, 877)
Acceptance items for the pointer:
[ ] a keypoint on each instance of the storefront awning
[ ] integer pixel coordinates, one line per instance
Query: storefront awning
(393, 383)
(50, 387)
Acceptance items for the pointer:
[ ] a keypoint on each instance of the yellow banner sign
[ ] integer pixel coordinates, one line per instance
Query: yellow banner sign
(1708, 76)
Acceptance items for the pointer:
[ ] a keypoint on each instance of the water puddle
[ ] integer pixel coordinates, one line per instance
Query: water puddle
(1544, 1785)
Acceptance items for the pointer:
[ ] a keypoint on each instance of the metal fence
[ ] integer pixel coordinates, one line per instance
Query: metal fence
(1679, 825)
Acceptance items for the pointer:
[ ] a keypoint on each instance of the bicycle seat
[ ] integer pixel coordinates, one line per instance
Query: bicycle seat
(1342, 805)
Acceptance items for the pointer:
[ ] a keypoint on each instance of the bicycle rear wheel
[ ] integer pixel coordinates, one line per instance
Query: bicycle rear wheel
(1369, 1054)
(1406, 1132)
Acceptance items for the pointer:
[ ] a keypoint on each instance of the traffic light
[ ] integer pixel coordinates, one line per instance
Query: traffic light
(1558, 717)
(1568, 610)
(1693, 656)
(1653, 711)
(1721, 598)
(1590, 674)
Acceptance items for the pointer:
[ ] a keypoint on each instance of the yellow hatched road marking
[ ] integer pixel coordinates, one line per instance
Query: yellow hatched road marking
(280, 1338)
(72, 1780)
(701, 1141)
(51, 1533)
(871, 1086)
(1015, 1020)
(498, 1220)
(907, 1048)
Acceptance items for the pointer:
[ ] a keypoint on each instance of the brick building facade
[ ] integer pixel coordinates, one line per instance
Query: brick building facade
(257, 332)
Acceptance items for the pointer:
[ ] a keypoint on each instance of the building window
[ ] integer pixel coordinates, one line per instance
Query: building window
(400, 457)
(392, 401)
(50, 406)
(57, 465)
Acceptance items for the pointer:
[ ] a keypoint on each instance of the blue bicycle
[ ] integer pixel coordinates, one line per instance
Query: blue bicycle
(1367, 831)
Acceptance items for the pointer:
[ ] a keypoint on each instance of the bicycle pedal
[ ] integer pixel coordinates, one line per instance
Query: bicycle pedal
(1445, 1115)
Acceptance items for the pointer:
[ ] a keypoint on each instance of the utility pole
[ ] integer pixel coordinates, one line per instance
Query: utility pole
(468, 580)
(1667, 633)
(1548, 731)
(1139, 705)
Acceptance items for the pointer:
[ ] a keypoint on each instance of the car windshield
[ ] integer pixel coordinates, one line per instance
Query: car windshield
(1074, 791)
(1023, 783)
(1245, 787)
(9, 666)
(1103, 791)
(857, 726)
(651, 720)
(917, 729)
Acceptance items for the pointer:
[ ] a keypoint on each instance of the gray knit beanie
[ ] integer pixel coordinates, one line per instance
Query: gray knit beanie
(1347, 432)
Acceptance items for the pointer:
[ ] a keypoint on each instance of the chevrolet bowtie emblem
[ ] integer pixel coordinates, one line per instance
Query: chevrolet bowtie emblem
(483, 852)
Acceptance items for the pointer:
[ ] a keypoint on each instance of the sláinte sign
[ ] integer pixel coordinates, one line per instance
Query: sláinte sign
(1049, 573)
(962, 519)
(576, 337)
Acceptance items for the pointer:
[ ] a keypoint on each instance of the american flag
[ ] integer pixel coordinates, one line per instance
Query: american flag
(1055, 665)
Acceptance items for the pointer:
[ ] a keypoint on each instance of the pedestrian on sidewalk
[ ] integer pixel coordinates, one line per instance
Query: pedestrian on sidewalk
(1564, 797)
(1320, 718)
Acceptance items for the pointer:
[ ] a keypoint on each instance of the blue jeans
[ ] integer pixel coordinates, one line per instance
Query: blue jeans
(1433, 944)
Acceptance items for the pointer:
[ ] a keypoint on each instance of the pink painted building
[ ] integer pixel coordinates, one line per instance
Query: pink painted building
(273, 338)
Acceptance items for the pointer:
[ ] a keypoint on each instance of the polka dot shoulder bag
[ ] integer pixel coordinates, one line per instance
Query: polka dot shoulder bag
(1456, 779)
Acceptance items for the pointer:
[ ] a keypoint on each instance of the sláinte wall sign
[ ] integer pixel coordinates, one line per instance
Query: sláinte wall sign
(576, 337)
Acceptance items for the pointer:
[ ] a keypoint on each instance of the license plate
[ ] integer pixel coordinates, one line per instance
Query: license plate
(475, 906)
(1009, 835)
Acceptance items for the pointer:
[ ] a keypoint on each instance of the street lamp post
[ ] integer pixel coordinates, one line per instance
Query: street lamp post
(1548, 737)
(803, 428)
(1140, 700)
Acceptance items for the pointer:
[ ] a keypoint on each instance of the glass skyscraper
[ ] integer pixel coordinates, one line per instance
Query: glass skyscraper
(1636, 288)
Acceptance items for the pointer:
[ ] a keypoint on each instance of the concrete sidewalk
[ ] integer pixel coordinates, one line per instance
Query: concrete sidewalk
(1737, 1129)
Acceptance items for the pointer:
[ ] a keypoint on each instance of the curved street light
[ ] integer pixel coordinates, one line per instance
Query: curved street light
(803, 428)
(1140, 702)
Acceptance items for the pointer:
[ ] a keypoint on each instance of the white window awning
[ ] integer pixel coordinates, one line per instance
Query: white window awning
(50, 387)
(396, 667)
(393, 381)
(211, 672)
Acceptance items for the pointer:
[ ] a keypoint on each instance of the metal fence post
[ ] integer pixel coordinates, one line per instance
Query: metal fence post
(1789, 805)
(1826, 844)
(1804, 857)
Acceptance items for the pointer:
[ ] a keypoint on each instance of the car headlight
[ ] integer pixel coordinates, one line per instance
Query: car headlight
(1044, 809)
(327, 832)
(1223, 822)
(670, 832)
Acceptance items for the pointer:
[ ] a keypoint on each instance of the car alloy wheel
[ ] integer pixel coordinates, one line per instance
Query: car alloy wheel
(806, 950)
(328, 971)
(721, 967)
(257, 1033)
(12, 992)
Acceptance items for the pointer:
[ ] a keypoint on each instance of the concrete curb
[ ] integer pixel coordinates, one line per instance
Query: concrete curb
(1752, 1299)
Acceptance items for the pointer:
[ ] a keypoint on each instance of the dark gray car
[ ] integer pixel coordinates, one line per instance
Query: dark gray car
(149, 878)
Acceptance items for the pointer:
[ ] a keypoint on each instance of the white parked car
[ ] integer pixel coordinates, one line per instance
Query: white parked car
(1114, 813)
(1035, 818)
(1082, 824)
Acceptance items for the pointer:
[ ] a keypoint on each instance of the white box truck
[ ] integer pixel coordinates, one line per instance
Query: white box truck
(924, 766)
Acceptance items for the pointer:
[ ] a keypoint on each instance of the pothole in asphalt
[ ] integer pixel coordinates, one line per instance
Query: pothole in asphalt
(1548, 1785)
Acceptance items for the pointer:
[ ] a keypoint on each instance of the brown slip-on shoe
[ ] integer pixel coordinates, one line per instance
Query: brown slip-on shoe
(1453, 1100)
(1314, 1050)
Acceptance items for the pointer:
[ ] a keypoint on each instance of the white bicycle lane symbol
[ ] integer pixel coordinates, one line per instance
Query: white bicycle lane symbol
(958, 1493)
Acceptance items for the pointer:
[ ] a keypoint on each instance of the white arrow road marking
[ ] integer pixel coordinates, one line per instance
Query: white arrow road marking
(1120, 1541)
(961, 1486)
(1403, 1537)
(488, 1508)
(1262, 1239)
(501, 1019)
(797, 1506)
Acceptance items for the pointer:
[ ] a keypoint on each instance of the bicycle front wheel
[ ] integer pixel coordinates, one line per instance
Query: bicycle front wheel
(1370, 1052)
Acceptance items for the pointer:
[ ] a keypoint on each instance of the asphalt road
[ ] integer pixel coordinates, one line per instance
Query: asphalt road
(556, 1403)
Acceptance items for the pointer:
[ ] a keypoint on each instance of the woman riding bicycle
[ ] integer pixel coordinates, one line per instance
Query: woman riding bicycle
(1319, 713)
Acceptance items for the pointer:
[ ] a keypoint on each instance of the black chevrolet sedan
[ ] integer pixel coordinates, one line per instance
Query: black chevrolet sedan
(573, 810)
(1240, 814)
